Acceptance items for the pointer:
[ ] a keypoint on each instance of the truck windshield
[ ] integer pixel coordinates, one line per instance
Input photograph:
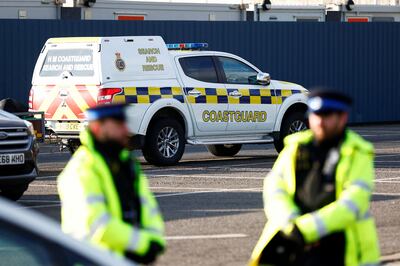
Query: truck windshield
(75, 62)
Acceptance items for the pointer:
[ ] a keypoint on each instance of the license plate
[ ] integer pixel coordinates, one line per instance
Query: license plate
(10, 159)
(69, 126)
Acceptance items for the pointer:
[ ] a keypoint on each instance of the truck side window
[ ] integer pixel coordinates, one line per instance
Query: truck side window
(199, 67)
(237, 72)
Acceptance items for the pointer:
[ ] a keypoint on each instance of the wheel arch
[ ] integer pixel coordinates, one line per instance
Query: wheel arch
(290, 107)
(169, 112)
(167, 108)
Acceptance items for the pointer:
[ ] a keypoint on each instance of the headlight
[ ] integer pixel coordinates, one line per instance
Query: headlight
(30, 127)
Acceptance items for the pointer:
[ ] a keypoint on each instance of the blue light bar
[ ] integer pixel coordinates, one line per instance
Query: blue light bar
(186, 46)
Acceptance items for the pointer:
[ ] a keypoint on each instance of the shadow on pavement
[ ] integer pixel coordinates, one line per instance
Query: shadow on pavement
(209, 204)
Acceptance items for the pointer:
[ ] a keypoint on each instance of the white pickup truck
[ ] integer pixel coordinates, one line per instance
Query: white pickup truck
(178, 94)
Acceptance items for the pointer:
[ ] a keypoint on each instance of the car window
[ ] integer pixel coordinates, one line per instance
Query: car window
(19, 249)
(237, 72)
(199, 67)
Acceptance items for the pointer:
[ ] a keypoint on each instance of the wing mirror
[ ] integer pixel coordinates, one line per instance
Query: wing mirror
(263, 78)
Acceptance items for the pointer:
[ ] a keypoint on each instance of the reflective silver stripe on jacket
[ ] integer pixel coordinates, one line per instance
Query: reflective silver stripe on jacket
(366, 216)
(155, 231)
(289, 219)
(134, 240)
(98, 223)
(280, 191)
(321, 228)
(363, 185)
(153, 211)
(351, 206)
(370, 264)
(92, 199)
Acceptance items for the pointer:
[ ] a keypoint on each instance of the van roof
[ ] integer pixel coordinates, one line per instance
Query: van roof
(97, 39)
(74, 40)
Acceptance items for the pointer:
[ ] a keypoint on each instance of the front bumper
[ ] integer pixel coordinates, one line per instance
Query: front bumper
(12, 180)
(21, 173)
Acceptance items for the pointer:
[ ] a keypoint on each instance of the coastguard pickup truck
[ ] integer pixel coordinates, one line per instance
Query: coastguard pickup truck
(178, 94)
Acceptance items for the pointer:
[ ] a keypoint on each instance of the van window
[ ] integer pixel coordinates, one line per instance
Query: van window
(76, 62)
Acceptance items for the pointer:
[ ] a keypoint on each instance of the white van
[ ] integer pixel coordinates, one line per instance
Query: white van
(179, 94)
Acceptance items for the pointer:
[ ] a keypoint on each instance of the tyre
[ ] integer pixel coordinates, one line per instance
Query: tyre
(164, 143)
(224, 149)
(294, 122)
(13, 192)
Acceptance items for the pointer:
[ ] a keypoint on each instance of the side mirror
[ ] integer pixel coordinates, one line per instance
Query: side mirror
(263, 78)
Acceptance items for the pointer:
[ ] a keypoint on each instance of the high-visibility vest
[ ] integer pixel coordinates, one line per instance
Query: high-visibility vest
(349, 213)
(91, 209)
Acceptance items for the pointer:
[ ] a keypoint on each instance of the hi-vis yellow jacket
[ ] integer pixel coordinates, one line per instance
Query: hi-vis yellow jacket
(349, 213)
(91, 209)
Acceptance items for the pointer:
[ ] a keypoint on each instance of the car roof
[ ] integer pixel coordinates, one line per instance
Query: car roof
(50, 230)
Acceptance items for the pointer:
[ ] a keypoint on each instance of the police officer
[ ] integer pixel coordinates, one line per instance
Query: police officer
(104, 193)
(317, 196)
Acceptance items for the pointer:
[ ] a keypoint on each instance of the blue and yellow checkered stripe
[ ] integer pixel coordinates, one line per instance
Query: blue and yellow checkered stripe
(149, 95)
(249, 96)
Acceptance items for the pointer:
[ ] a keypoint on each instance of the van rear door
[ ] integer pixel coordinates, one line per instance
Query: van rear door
(66, 81)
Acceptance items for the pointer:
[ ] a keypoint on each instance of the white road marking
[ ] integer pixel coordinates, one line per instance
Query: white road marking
(205, 237)
(42, 185)
(208, 191)
(227, 210)
(385, 194)
(208, 188)
(386, 179)
(45, 177)
(210, 176)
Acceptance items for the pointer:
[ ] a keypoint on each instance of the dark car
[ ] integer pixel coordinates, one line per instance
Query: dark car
(18, 152)
(29, 238)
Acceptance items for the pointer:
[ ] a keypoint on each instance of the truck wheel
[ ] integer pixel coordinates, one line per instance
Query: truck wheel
(165, 142)
(224, 149)
(13, 192)
(295, 122)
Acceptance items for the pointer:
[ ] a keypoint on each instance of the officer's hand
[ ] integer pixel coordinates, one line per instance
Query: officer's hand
(292, 233)
(157, 237)
(154, 250)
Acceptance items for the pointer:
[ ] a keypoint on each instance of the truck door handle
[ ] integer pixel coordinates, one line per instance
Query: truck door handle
(235, 94)
(194, 93)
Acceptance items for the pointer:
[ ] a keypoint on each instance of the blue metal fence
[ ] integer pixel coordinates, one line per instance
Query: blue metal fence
(361, 59)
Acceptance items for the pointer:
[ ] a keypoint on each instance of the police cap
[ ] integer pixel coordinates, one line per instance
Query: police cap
(113, 111)
(326, 101)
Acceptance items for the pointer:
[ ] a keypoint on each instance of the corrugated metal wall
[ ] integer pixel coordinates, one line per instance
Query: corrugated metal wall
(361, 59)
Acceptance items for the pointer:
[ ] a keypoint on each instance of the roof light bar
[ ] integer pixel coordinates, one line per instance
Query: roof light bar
(186, 46)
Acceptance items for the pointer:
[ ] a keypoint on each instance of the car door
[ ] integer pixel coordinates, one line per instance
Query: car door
(205, 94)
(252, 107)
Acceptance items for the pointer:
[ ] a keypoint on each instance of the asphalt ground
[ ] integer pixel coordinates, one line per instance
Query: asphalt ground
(213, 206)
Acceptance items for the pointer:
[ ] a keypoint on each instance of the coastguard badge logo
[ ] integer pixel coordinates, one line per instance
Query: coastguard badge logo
(119, 62)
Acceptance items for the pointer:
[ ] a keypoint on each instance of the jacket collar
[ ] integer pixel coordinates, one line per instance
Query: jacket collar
(87, 140)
